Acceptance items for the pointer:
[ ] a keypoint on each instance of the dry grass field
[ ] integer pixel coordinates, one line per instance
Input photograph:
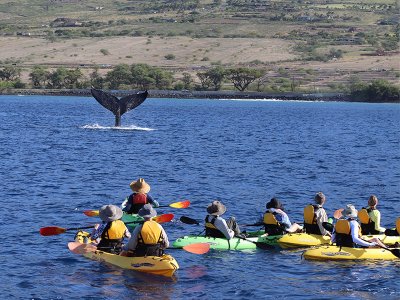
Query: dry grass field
(264, 36)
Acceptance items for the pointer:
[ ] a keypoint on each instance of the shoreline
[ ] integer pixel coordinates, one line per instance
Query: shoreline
(334, 97)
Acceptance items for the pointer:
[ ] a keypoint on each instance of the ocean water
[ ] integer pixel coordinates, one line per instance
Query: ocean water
(61, 155)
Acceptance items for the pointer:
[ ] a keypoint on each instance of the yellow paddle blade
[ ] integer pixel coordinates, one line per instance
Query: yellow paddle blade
(182, 204)
(91, 213)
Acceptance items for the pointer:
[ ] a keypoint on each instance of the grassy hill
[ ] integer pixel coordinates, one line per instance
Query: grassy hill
(317, 45)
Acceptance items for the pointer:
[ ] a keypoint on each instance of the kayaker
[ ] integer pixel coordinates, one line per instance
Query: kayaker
(216, 226)
(111, 233)
(370, 218)
(135, 201)
(315, 215)
(276, 221)
(148, 239)
(347, 232)
(395, 231)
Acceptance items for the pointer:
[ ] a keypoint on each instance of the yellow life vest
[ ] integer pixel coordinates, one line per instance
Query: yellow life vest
(363, 216)
(269, 218)
(309, 215)
(151, 233)
(116, 230)
(398, 225)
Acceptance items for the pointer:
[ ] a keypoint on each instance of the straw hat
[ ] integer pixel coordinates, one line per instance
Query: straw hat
(216, 208)
(140, 186)
(147, 211)
(109, 213)
(350, 211)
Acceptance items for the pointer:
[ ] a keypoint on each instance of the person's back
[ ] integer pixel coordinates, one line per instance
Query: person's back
(139, 197)
(216, 226)
(315, 215)
(370, 218)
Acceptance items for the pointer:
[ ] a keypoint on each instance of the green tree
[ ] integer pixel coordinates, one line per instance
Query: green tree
(39, 76)
(96, 80)
(56, 79)
(187, 81)
(212, 79)
(243, 77)
(119, 75)
(10, 73)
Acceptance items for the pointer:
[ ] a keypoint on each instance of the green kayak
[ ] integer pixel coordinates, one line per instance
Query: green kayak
(232, 244)
(126, 218)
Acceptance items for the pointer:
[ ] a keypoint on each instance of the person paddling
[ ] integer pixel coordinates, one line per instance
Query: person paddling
(370, 218)
(112, 231)
(395, 231)
(276, 221)
(216, 226)
(347, 232)
(135, 201)
(315, 215)
(148, 239)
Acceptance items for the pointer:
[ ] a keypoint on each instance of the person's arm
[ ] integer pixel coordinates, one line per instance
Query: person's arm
(125, 205)
(354, 234)
(134, 239)
(96, 234)
(165, 242)
(221, 225)
(153, 202)
(322, 217)
(377, 219)
(127, 233)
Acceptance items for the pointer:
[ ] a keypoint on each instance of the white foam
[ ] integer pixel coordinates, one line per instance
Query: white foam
(130, 127)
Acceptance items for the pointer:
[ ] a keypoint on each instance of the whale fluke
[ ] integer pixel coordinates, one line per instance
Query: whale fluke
(118, 106)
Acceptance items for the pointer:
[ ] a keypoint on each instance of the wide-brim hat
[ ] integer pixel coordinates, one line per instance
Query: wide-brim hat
(147, 211)
(140, 186)
(109, 213)
(275, 203)
(350, 211)
(216, 208)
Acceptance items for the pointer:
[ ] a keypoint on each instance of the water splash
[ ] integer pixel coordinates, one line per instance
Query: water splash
(101, 127)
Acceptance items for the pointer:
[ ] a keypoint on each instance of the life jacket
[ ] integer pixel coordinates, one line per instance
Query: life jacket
(367, 225)
(136, 201)
(149, 240)
(398, 226)
(112, 237)
(343, 233)
(211, 230)
(310, 219)
(271, 225)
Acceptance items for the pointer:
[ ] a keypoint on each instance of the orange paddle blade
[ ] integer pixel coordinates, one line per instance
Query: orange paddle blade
(52, 230)
(182, 204)
(198, 248)
(91, 213)
(79, 248)
(163, 218)
(338, 213)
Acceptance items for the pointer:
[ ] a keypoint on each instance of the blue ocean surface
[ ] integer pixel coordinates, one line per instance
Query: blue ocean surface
(62, 155)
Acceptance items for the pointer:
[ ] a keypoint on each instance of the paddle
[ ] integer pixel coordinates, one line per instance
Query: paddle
(54, 230)
(181, 204)
(260, 245)
(79, 248)
(395, 252)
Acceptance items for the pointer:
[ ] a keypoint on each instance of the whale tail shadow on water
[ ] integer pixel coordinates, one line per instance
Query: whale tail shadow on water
(119, 106)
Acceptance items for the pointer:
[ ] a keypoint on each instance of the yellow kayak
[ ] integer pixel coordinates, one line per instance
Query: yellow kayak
(165, 265)
(298, 240)
(347, 253)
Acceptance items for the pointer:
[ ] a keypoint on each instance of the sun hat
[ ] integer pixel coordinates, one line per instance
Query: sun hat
(109, 213)
(147, 211)
(275, 203)
(372, 201)
(350, 211)
(140, 186)
(216, 208)
(319, 198)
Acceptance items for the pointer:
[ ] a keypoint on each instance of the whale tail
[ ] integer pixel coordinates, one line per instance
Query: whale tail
(119, 106)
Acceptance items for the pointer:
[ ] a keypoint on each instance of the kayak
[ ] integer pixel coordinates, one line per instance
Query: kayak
(127, 218)
(347, 253)
(297, 240)
(165, 265)
(233, 244)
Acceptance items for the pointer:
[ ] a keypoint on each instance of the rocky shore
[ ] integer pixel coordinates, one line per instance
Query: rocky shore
(189, 94)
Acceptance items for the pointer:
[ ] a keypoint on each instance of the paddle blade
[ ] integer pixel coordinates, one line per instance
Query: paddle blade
(198, 248)
(182, 204)
(79, 248)
(52, 230)
(328, 226)
(163, 218)
(396, 252)
(188, 220)
(338, 213)
(91, 213)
